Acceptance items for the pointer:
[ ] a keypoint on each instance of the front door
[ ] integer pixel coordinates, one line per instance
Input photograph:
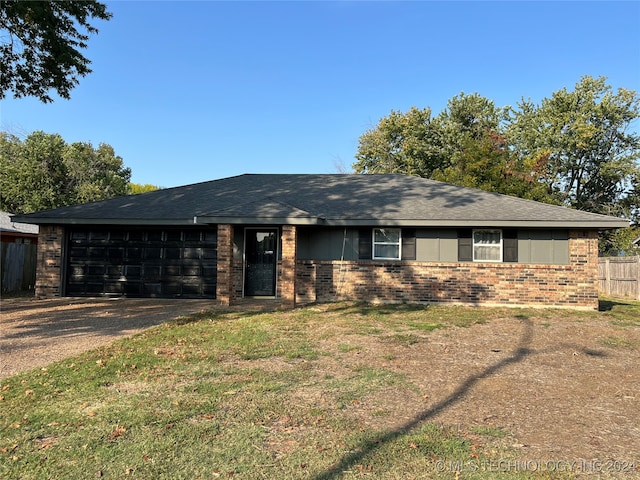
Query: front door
(261, 254)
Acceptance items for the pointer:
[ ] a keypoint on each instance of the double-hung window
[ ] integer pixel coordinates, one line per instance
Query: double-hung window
(387, 243)
(487, 245)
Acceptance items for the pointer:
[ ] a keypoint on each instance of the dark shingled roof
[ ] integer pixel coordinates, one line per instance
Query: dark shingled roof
(301, 199)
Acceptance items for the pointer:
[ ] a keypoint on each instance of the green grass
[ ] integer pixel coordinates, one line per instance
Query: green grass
(613, 341)
(242, 395)
(623, 313)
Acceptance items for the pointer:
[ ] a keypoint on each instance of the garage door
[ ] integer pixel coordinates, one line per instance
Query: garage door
(142, 263)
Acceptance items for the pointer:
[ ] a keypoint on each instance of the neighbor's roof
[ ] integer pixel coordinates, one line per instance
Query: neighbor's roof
(8, 226)
(332, 199)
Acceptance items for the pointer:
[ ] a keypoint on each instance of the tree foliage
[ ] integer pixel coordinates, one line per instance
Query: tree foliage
(41, 45)
(583, 139)
(408, 143)
(43, 172)
(136, 188)
(576, 148)
(464, 145)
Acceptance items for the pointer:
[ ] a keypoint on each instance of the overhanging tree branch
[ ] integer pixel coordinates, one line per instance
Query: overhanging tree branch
(41, 43)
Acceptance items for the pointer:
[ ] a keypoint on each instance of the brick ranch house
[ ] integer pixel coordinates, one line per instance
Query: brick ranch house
(318, 238)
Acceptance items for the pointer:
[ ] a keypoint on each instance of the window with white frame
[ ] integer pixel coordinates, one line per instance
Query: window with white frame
(386, 243)
(487, 245)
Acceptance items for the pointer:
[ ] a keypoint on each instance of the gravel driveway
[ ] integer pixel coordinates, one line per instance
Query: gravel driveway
(34, 333)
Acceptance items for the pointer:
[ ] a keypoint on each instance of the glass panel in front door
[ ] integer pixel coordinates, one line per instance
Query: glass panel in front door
(260, 267)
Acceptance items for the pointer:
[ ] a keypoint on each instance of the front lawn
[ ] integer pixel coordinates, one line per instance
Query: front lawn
(321, 392)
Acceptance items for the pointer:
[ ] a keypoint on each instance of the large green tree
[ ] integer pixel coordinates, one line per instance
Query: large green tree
(42, 43)
(463, 144)
(43, 172)
(576, 148)
(409, 143)
(584, 139)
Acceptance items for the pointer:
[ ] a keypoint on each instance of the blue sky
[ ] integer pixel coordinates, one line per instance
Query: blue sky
(193, 91)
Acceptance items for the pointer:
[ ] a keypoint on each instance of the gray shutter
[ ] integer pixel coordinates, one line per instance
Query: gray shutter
(465, 245)
(364, 244)
(510, 245)
(408, 244)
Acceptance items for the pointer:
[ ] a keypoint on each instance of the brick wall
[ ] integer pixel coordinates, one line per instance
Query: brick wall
(225, 269)
(49, 261)
(573, 285)
(287, 280)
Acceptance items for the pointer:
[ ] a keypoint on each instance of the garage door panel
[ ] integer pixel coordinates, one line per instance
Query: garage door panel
(133, 288)
(133, 271)
(114, 287)
(144, 263)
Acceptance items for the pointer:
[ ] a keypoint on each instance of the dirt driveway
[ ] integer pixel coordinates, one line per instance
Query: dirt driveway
(34, 333)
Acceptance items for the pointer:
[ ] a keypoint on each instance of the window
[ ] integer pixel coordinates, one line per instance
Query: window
(386, 243)
(487, 245)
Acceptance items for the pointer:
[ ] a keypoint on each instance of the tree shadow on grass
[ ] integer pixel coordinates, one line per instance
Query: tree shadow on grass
(349, 461)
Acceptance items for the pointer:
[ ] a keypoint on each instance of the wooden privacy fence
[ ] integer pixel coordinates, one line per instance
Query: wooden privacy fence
(17, 267)
(619, 276)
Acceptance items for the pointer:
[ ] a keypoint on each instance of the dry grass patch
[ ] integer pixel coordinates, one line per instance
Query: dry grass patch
(334, 391)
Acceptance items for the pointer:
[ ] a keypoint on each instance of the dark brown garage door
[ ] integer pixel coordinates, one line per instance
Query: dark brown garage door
(142, 263)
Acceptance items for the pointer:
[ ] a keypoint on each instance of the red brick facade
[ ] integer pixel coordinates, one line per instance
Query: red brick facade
(304, 281)
(287, 282)
(50, 261)
(225, 281)
(572, 285)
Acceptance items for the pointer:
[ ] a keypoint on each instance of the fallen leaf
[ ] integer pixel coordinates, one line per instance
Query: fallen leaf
(117, 432)
(28, 392)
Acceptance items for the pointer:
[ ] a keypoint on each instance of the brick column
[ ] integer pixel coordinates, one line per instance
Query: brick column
(583, 257)
(288, 278)
(224, 283)
(49, 261)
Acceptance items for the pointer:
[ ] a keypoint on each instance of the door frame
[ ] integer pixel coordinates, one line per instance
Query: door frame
(276, 260)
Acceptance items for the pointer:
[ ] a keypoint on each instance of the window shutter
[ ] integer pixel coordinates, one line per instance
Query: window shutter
(510, 245)
(465, 245)
(408, 244)
(364, 244)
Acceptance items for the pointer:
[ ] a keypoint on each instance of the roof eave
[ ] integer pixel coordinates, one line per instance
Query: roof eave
(107, 221)
(596, 224)
(338, 222)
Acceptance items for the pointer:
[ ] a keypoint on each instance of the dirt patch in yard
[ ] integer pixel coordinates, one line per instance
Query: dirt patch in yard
(558, 389)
